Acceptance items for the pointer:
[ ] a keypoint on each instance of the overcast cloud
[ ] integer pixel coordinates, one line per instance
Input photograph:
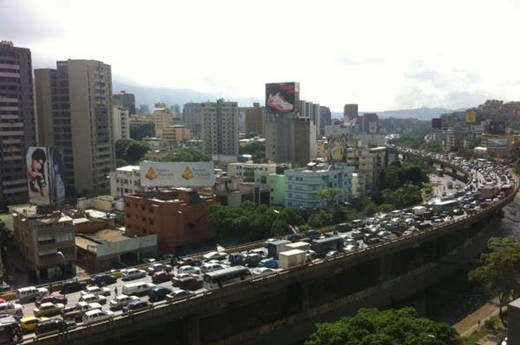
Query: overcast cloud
(380, 54)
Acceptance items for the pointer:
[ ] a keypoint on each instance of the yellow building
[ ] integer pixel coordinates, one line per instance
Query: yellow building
(162, 118)
(176, 134)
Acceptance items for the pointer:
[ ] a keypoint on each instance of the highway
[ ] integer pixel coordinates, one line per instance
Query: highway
(480, 176)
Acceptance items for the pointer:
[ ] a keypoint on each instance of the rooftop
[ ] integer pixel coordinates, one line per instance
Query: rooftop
(129, 168)
(103, 236)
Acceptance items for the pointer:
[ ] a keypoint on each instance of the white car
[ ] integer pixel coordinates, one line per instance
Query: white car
(120, 301)
(188, 269)
(48, 309)
(97, 315)
(211, 267)
(96, 290)
(133, 273)
(262, 270)
(91, 298)
(178, 294)
(11, 308)
(215, 256)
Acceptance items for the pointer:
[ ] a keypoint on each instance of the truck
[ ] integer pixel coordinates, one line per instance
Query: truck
(274, 247)
(292, 258)
(323, 245)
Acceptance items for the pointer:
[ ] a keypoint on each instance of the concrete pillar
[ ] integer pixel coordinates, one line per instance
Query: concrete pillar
(191, 329)
(305, 296)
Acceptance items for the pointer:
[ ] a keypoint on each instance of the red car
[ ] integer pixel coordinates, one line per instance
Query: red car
(51, 299)
(161, 277)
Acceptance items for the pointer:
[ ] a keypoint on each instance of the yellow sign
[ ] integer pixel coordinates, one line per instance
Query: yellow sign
(188, 173)
(471, 116)
(151, 174)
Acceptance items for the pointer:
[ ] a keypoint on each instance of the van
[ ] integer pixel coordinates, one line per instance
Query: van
(31, 293)
(139, 288)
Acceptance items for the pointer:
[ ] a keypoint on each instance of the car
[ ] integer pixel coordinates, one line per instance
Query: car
(96, 290)
(211, 267)
(11, 308)
(137, 306)
(188, 269)
(188, 282)
(29, 323)
(120, 301)
(158, 267)
(132, 274)
(91, 298)
(51, 299)
(178, 294)
(158, 294)
(48, 309)
(149, 260)
(161, 277)
(97, 315)
(51, 326)
(270, 263)
(4, 287)
(71, 286)
(262, 271)
(215, 256)
(103, 279)
(331, 253)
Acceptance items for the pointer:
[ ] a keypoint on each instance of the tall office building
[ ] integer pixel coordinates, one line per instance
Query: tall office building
(370, 123)
(191, 113)
(290, 131)
(350, 112)
(120, 123)
(125, 100)
(79, 121)
(255, 119)
(162, 118)
(17, 122)
(311, 111)
(325, 119)
(219, 128)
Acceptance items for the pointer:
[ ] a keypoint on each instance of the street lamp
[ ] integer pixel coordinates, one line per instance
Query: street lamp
(63, 259)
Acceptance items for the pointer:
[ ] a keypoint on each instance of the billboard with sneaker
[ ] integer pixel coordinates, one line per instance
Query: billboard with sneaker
(282, 97)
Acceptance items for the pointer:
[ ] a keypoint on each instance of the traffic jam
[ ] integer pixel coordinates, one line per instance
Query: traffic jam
(38, 311)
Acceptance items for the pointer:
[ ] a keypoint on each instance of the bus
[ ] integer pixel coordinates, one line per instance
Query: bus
(323, 245)
(227, 274)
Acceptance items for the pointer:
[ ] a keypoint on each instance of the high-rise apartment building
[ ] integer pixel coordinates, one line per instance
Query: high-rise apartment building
(191, 113)
(81, 118)
(370, 123)
(177, 134)
(162, 118)
(325, 119)
(120, 123)
(125, 100)
(17, 122)
(311, 111)
(350, 112)
(255, 119)
(219, 128)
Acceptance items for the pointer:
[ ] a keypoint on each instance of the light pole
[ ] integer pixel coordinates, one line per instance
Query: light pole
(63, 266)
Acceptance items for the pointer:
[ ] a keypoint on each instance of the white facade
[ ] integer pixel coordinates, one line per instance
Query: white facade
(220, 128)
(302, 184)
(247, 170)
(120, 123)
(125, 180)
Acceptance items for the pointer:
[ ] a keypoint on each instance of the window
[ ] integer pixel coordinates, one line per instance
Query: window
(128, 215)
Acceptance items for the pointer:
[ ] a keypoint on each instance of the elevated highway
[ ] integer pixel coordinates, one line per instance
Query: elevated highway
(282, 308)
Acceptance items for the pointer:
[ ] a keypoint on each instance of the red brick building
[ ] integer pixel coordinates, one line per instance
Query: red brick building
(178, 216)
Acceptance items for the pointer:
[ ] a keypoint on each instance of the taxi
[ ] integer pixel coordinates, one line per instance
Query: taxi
(29, 323)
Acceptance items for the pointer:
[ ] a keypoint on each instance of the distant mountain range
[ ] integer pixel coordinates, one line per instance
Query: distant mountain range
(171, 96)
(418, 113)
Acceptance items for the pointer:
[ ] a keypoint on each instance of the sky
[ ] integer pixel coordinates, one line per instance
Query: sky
(382, 55)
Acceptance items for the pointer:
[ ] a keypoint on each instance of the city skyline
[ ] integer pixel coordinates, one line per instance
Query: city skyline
(381, 56)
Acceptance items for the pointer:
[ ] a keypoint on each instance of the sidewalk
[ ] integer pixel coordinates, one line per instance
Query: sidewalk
(469, 324)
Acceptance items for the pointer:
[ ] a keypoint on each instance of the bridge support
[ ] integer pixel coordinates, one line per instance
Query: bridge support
(191, 328)
(305, 296)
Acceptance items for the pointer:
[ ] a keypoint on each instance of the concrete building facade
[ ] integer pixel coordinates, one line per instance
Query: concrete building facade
(125, 100)
(125, 180)
(350, 112)
(46, 241)
(177, 134)
(81, 117)
(255, 119)
(192, 115)
(247, 170)
(368, 164)
(303, 183)
(120, 123)
(219, 128)
(17, 121)
(162, 118)
(179, 217)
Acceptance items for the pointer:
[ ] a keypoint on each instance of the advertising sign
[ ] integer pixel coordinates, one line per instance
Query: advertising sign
(281, 97)
(436, 123)
(37, 162)
(56, 166)
(176, 174)
(496, 143)
(336, 150)
(471, 116)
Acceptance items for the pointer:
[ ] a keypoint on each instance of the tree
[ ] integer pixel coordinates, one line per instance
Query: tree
(130, 151)
(186, 155)
(500, 270)
(255, 149)
(140, 130)
(388, 327)
(330, 196)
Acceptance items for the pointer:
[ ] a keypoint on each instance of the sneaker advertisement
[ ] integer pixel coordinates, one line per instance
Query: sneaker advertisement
(281, 97)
